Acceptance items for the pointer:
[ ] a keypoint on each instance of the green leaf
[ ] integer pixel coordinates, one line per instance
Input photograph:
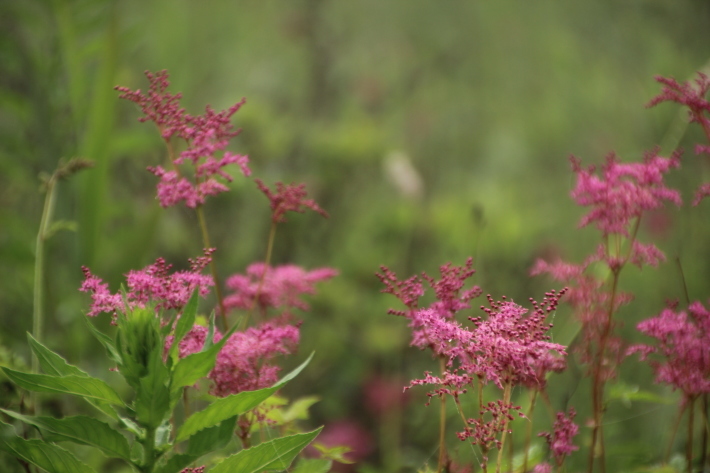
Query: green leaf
(230, 406)
(152, 403)
(212, 438)
(60, 225)
(86, 386)
(105, 340)
(195, 366)
(312, 465)
(274, 455)
(50, 362)
(185, 322)
(83, 430)
(176, 463)
(44, 455)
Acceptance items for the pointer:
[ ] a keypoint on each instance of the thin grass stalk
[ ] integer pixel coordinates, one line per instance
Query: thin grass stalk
(213, 267)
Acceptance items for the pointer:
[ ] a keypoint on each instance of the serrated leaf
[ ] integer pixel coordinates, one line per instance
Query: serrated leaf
(85, 386)
(152, 402)
(230, 406)
(52, 363)
(176, 463)
(312, 465)
(47, 456)
(81, 429)
(105, 340)
(275, 455)
(212, 438)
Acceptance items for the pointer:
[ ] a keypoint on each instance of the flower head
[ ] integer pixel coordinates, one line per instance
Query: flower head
(152, 284)
(560, 441)
(288, 198)
(278, 287)
(206, 135)
(622, 191)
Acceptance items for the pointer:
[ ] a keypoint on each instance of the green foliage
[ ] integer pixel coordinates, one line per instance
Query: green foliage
(157, 384)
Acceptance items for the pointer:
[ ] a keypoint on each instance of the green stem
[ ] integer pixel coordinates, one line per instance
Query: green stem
(38, 296)
(689, 444)
(506, 401)
(213, 267)
(442, 425)
(528, 434)
(148, 451)
(267, 262)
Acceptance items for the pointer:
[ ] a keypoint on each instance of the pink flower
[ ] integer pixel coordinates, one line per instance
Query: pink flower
(205, 136)
(622, 191)
(288, 198)
(245, 362)
(278, 287)
(154, 283)
(560, 441)
(683, 338)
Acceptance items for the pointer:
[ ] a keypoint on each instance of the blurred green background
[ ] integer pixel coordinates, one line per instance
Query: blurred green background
(430, 131)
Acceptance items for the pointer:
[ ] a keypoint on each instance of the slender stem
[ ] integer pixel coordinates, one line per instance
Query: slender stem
(38, 296)
(506, 402)
(673, 433)
(704, 445)
(148, 451)
(528, 434)
(213, 267)
(267, 262)
(442, 424)
(689, 445)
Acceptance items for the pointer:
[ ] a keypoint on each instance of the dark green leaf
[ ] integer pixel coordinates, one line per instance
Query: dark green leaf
(312, 465)
(50, 362)
(44, 455)
(85, 386)
(83, 430)
(106, 341)
(213, 438)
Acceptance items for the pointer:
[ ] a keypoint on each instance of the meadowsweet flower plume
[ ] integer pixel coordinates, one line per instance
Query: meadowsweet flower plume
(205, 136)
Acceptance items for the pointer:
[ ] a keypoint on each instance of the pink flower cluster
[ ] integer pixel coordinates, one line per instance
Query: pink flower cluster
(692, 96)
(623, 191)
(288, 198)
(205, 136)
(245, 362)
(277, 287)
(485, 432)
(152, 284)
(560, 441)
(683, 341)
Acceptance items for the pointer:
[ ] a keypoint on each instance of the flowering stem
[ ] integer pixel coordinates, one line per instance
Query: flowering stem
(689, 442)
(267, 262)
(442, 424)
(506, 401)
(528, 434)
(213, 267)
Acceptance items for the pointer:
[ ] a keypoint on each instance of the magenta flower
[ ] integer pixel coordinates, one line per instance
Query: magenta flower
(205, 136)
(623, 191)
(288, 198)
(245, 362)
(560, 441)
(683, 338)
(281, 287)
(153, 284)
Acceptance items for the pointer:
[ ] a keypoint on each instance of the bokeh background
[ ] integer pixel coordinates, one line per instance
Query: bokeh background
(430, 131)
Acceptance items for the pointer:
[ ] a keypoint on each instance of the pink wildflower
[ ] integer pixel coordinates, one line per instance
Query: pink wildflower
(560, 441)
(205, 135)
(683, 339)
(278, 287)
(153, 283)
(288, 198)
(623, 191)
(542, 468)
(245, 362)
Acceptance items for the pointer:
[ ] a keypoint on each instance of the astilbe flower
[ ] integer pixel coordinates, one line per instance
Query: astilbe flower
(278, 287)
(692, 96)
(564, 431)
(683, 338)
(152, 284)
(205, 135)
(486, 432)
(245, 362)
(288, 198)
